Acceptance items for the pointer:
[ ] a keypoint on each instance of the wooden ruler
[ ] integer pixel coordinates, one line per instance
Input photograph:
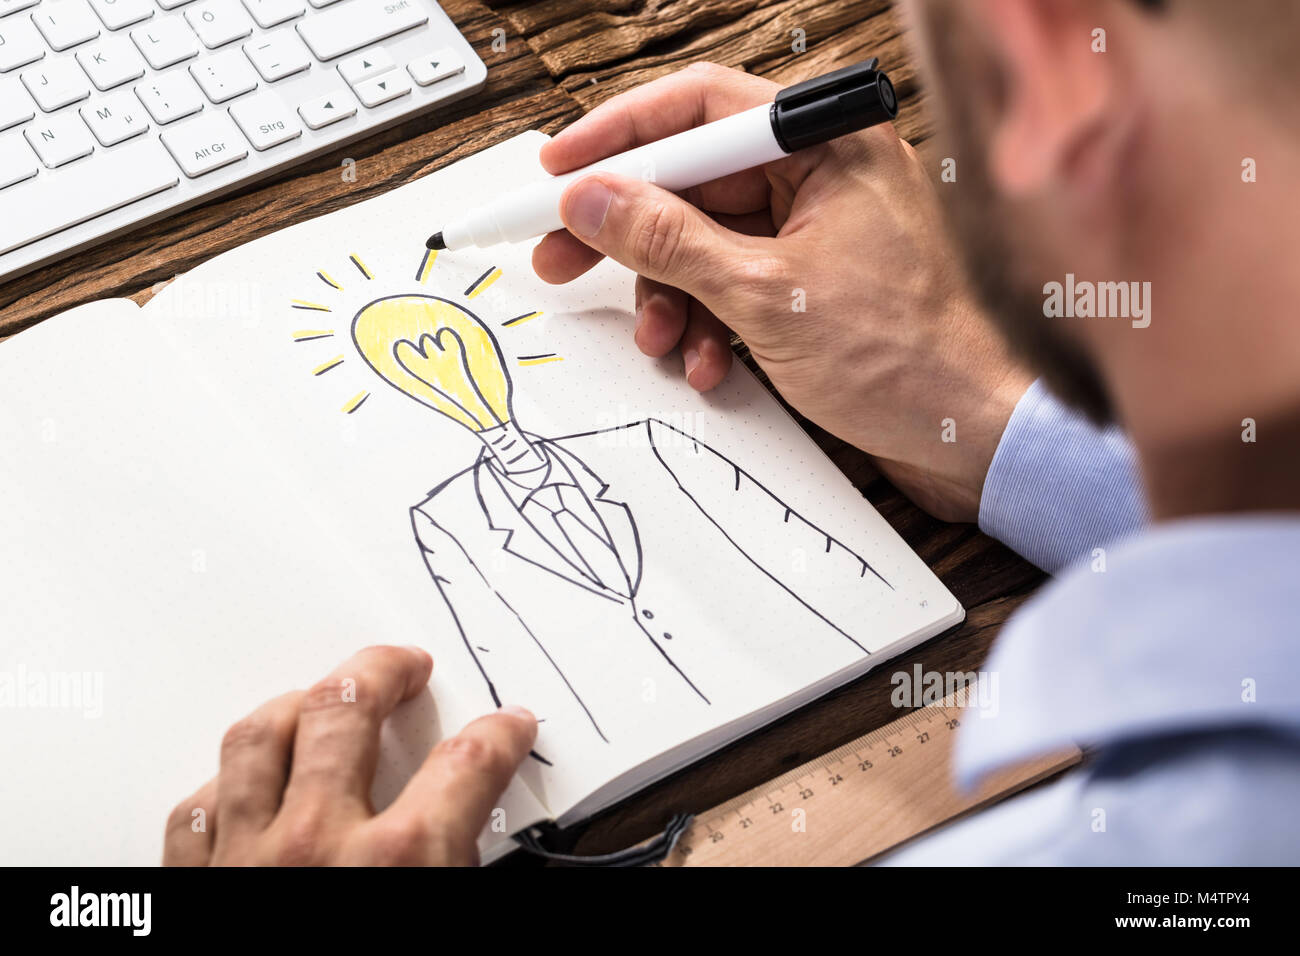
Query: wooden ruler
(856, 802)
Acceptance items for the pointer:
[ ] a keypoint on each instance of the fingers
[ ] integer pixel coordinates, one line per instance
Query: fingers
(657, 234)
(255, 755)
(447, 803)
(668, 318)
(191, 829)
(706, 348)
(701, 93)
(337, 742)
(561, 258)
(660, 317)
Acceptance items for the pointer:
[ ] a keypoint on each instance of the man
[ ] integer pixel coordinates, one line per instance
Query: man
(1095, 142)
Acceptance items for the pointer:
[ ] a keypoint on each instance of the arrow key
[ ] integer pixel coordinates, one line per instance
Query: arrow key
(365, 65)
(382, 88)
(331, 108)
(438, 65)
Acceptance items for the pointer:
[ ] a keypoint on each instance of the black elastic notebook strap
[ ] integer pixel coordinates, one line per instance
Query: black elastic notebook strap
(643, 854)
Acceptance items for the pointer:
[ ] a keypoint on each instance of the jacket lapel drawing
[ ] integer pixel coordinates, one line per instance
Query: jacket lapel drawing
(522, 538)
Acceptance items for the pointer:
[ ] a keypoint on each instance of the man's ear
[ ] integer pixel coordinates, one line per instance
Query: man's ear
(1057, 88)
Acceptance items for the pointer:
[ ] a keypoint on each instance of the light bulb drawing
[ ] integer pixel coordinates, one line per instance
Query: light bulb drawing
(559, 557)
(390, 312)
(441, 355)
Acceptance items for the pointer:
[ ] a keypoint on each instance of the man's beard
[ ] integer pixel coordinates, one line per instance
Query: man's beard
(1000, 259)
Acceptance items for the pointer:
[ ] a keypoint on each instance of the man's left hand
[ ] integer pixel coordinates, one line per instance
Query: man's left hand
(295, 777)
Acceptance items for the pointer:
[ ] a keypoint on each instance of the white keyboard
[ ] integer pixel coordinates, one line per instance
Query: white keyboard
(118, 112)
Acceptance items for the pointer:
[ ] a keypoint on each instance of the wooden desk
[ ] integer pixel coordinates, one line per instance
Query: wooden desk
(561, 58)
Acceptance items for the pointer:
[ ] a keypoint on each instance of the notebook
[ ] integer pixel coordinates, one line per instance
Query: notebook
(330, 438)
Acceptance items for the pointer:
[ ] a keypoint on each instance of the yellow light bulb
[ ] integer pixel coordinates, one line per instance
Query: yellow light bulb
(438, 353)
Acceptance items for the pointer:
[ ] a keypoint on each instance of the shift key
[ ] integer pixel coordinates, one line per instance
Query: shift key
(357, 24)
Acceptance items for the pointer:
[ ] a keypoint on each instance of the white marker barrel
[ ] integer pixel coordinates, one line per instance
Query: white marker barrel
(677, 162)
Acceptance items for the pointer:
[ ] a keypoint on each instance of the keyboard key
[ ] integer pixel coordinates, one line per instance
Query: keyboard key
(65, 23)
(172, 4)
(20, 44)
(116, 14)
(17, 161)
(111, 180)
(327, 109)
(382, 88)
(111, 62)
(218, 22)
(165, 40)
(205, 143)
(365, 65)
(15, 104)
(59, 140)
(170, 97)
(322, 3)
(277, 55)
(224, 75)
(266, 121)
(438, 65)
(56, 82)
(115, 119)
(269, 13)
(357, 24)
(13, 6)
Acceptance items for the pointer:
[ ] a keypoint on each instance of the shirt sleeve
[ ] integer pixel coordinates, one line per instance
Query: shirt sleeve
(1058, 486)
(1212, 799)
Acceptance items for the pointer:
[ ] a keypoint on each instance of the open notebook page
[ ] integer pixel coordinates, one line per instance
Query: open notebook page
(757, 569)
(158, 581)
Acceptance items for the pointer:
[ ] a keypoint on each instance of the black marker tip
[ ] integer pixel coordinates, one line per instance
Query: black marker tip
(435, 242)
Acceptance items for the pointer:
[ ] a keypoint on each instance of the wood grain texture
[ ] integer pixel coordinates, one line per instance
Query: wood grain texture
(561, 58)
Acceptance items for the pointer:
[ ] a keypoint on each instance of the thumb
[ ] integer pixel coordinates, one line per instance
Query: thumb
(654, 233)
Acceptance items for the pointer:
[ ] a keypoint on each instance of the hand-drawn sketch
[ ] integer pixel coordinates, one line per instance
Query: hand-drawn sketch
(556, 554)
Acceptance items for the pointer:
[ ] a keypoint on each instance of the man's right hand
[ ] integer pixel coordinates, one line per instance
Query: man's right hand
(832, 265)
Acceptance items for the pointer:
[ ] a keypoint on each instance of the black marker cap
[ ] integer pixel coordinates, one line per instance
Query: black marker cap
(833, 105)
(434, 242)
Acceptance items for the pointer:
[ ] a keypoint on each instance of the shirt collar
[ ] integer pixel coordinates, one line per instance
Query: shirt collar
(557, 473)
(1191, 625)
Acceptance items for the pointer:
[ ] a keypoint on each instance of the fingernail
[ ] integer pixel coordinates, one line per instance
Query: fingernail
(692, 360)
(588, 203)
(640, 317)
(523, 713)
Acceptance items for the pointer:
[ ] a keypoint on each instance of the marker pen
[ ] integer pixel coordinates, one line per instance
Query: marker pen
(803, 115)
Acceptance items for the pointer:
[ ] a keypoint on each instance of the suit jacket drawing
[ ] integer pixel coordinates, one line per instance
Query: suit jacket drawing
(658, 578)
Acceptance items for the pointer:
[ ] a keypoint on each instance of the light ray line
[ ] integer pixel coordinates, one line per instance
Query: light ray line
(361, 266)
(324, 277)
(540, 359)
(426, 266)
(355, 402)
(519, 319)
(310, 306)
(307, 335)
(483, 282)
(324, 367)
